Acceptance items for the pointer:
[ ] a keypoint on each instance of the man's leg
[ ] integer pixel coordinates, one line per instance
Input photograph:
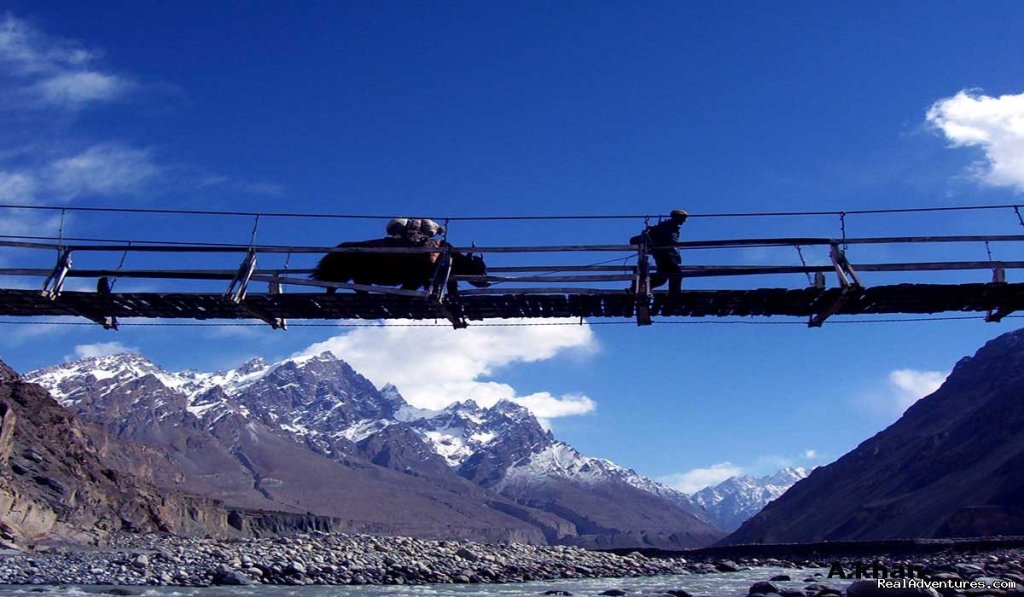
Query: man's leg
(670, 266)
(662, 267)
(675, 283)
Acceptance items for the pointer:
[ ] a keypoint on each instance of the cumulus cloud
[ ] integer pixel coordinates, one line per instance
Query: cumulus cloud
(101, 349)
(434, 367)
(912, 385)
(696, 479)
(810, 454)
(55, 72)
(993, 124)
(903, 387)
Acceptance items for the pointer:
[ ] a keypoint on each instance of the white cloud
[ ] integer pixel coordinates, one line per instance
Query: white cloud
(434, 367)
(696, 479)
(45, 84)
(810, 454)
(993, 124)
(36, 328)
(912, 385)
(76, 89)
(17, 187)
(903, 387)
(546, 406)
(58, 72)
(25, 49)
(105, 169)
(101, 349)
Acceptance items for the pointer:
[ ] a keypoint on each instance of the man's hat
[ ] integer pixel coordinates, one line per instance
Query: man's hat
(679, 214)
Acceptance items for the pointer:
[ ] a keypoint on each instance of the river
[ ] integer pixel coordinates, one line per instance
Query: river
(730, 584)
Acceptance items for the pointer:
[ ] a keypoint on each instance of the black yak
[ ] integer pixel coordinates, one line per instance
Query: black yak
(410, 270)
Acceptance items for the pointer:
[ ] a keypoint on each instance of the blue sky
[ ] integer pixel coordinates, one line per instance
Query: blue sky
(539, 108)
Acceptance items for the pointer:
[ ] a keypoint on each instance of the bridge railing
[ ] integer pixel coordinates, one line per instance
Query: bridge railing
(535, 274)
(545, 279)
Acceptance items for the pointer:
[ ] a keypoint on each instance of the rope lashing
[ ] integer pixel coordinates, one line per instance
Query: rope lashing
(799, 251)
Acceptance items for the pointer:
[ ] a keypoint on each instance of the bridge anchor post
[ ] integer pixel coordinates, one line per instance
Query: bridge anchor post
(54, 283)
(443, 291)
(642, 281)
(275, 288)
(849, 284)
(240, 283)
(995, 315)
(103, 287)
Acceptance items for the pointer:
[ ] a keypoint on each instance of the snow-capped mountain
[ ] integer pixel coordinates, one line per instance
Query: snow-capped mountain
(213, 423)
(561, 461)
(730, 503)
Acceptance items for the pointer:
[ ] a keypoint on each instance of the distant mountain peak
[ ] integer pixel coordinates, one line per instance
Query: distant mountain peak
(787, 476)
(464, 405)
(325, 356)
(511, 408)
(253, 365)
(733, 501)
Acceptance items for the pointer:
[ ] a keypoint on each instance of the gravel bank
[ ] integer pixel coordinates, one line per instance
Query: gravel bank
(321, 558)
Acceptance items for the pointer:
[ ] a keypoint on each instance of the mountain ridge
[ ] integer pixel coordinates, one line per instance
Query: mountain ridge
(949, 467)
(321, 405)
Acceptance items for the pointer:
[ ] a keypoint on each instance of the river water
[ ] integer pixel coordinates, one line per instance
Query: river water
(731, 584)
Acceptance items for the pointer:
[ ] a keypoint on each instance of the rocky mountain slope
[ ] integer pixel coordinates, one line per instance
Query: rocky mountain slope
(311, 434)
(949, 467)
(733, 501)
(53, 484)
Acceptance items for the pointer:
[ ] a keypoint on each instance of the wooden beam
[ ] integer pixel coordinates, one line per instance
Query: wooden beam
(157, 247)
(359, 287)
(817, 304)
(502, 279)
(833, 306)
(518, 291)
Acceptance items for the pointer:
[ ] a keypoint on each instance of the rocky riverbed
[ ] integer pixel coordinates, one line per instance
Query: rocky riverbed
(322, 558)
(339, 559)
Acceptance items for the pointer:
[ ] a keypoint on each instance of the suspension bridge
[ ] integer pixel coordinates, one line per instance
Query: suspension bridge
(839, 285)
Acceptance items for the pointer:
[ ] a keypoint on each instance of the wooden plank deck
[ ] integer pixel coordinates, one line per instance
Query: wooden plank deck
(762, 302)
